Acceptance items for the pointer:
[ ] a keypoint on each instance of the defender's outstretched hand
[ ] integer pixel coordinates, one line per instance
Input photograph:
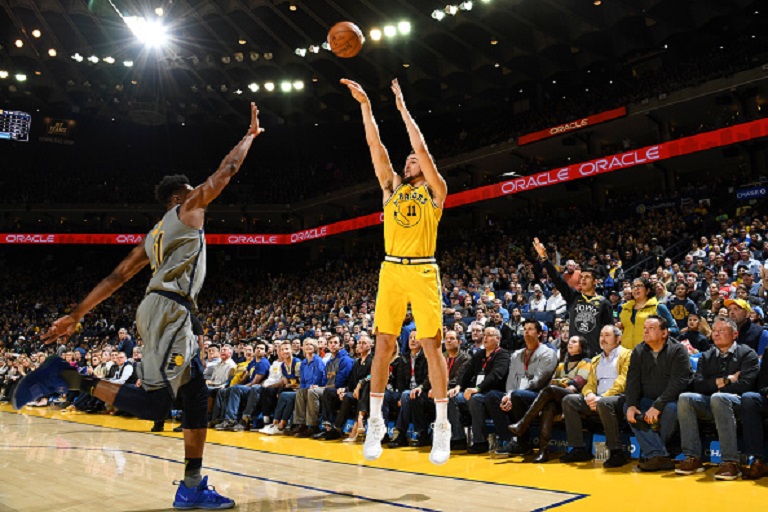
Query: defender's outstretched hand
(64, 326)
(356, 89)
(255, 129)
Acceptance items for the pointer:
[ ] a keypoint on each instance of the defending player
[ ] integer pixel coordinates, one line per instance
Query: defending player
(175, 249)
(413, 206)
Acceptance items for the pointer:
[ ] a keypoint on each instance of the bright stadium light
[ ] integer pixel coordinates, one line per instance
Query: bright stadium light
(270, 86)
(301, 52)
(109, 60)
(298, 85)
(254, 87)
(466, 6)
(149, 33)
(285, 86)
(438, 15)
(375, 34)
(451, 9)
(21, 77)
(94, 59)
(52, 52)
(404, 27)
(128, 63)
(390, 31)
(36, 34)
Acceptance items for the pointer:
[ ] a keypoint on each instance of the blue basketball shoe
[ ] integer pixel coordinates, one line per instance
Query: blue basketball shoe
(202, 496)
(47, 380)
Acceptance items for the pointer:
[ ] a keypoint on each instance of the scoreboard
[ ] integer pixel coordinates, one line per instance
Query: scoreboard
(14, 125)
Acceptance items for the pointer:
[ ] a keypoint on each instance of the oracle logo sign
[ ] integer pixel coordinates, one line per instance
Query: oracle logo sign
(572, 125)
(309, 234)
(616, 162)
(542, 179)
(252, 239)
(129, 239)
(29, 239)
(569, 126)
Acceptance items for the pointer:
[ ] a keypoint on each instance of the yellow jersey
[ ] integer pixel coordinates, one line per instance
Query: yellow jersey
(410, 222)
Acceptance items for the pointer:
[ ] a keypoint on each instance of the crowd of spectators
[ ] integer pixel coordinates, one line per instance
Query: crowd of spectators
(293, 348)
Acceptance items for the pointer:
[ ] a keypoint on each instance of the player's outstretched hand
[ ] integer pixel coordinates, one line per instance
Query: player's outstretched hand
(356, 89)
(540, 249)
(255, 129)
(64, 326)
(399, 100)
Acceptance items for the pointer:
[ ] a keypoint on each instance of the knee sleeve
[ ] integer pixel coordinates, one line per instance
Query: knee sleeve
(194, 397)
(147, 405)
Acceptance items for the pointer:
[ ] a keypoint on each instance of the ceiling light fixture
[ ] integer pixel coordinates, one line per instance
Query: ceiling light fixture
(298, 85)
(404, 27)
(128, 63)
(285, 86)
(52, 52)
(375, 34)
(19, 43)
(390, 31)
(21, 77)
(270, 86)
(438, 14)
(254, 87)
(36, 34)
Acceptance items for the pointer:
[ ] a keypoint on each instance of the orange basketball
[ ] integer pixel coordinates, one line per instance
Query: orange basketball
(345, 39)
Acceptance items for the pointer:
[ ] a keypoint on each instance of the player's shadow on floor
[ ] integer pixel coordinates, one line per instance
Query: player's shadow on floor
(315, 503)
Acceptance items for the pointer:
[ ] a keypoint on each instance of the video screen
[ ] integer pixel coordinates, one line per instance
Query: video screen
(14, 125)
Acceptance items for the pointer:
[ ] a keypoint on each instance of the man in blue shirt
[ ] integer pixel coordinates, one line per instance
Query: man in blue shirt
(256, 371)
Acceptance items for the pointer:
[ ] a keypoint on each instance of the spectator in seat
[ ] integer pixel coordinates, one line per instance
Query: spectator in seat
(695, 337)
(411, 376)
(289, 383)
(256, 372)
(456, 360)
(603, 395)
(343, 400)
(569, 378)
(487, 371)
(635, 311)
(659, 370)
(337, 372)
(723, 374)
(681, 306)
(312, 376)
(752, 335)
(754, 411)
(530, 371)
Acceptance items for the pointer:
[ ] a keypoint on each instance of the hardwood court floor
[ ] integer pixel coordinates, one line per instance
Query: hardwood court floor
(65, 462)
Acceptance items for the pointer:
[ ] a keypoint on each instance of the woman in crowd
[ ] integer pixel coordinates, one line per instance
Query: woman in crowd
(696, 335)
(570, 377)
(635, 311)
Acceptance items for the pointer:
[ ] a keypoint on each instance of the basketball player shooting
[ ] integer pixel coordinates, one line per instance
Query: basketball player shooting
(175, 250)
(413, 206)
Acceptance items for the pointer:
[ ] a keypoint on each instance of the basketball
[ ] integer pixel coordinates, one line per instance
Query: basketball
(345, 39)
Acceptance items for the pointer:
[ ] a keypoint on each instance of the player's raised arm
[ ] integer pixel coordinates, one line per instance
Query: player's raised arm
(135, 261)
(435, 181)
(388, 180)
(202, 195)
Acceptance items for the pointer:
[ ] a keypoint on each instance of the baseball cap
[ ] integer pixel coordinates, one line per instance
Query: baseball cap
(739, 302)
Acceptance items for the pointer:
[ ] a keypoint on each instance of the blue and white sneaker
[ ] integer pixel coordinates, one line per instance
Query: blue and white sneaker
(45, 381)
(202, 496)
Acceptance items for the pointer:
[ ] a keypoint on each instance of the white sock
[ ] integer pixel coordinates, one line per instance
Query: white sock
(441, 409)
(376, 402)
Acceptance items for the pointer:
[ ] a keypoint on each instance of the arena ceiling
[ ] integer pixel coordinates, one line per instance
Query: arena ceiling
(217, 48)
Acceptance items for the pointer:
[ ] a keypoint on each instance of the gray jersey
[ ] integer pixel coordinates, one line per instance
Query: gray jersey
(177, 255)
